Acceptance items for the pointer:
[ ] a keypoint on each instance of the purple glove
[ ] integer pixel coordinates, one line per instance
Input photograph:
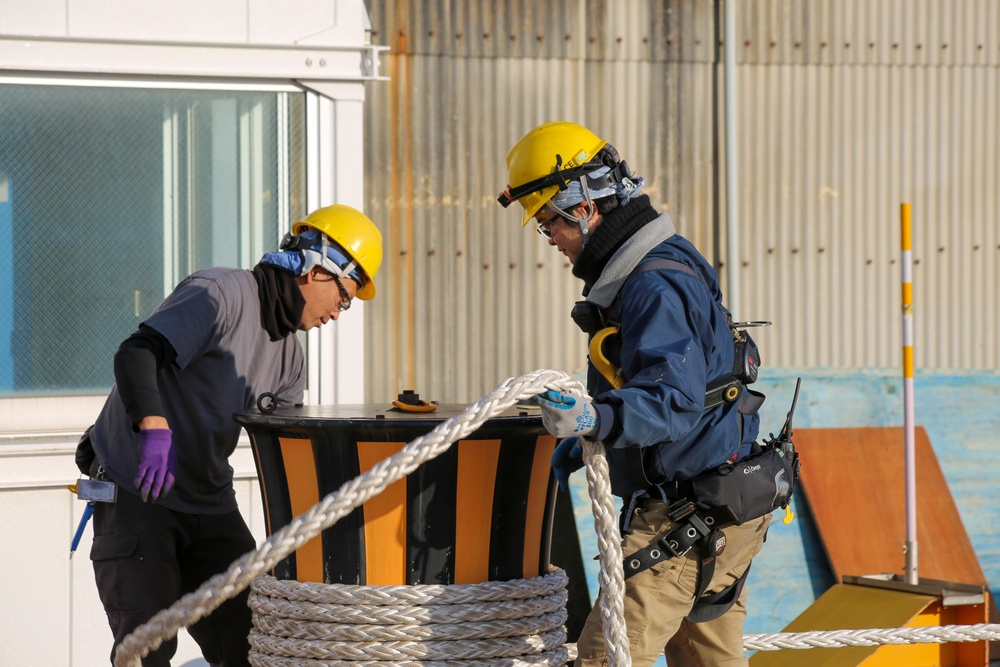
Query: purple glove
(157, 463)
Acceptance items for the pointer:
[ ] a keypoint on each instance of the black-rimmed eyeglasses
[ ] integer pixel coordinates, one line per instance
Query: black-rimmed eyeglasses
(345, 298)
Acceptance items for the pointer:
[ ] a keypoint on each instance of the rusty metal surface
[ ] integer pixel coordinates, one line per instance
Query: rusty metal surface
(849, 113)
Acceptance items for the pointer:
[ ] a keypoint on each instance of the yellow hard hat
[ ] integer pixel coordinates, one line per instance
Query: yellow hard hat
(355, 233)
(544, 160)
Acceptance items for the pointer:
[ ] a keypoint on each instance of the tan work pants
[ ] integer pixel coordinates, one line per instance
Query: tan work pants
(657, 601)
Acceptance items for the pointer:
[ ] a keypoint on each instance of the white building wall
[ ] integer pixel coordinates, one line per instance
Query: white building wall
(315, 22)
(51, 615)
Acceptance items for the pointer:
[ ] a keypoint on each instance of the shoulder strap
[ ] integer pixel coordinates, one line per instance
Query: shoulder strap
(614, 310)
(664, 263)
(722, 390)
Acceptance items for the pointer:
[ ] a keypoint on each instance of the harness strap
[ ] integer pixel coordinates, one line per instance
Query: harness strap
(726, 390)
(721, 390)
(694, 526)
(750, 401)
(712, 606)
(701, 528)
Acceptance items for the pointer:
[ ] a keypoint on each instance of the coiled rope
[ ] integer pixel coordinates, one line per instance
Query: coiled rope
(352, 494)
(519, 622)
(513, 624)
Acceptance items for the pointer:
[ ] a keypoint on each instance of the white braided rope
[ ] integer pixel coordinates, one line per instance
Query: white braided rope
(515, 589)
(612, 574)
(251, 566)
(468, 652)
(864, 637)
(559, 656)
(464, 622)
(404, 613)
(872, 637)
(508, 621)
(267, 619)
(338, 504)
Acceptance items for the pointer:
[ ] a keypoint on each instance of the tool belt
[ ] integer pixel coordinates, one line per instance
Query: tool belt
(731, 494)
(694, 527)
(753, 487)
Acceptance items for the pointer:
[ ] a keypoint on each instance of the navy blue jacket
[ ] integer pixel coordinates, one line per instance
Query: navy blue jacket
(675, 341)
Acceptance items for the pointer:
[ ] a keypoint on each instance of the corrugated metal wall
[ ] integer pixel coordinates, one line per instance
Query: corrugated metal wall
(851, 108)
(848, 108)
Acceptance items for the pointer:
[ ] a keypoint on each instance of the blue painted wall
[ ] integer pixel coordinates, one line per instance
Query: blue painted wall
(961, 414)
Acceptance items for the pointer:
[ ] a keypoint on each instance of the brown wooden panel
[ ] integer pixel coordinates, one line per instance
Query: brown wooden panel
(854, 481)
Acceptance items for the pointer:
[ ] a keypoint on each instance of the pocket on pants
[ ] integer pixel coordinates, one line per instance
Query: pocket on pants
(114, 571)
(108, 547)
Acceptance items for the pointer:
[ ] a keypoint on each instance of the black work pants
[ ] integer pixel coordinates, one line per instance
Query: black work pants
(146, 557)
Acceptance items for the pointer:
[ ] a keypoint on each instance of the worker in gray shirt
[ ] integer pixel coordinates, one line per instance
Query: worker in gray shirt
(222, 338)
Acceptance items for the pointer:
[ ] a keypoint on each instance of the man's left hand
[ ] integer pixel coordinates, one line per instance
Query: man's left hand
(565, 416)
(157, 463)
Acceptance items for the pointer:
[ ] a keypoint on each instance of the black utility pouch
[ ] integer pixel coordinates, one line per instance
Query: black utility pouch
(760, 483)
(85, 454)
(757, 485)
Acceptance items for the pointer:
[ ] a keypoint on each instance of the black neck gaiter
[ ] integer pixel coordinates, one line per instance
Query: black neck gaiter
(281, 300)
(614, 230)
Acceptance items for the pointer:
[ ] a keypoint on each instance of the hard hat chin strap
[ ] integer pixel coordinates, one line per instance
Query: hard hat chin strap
(329, 265)
(307, 243)
(583, 222)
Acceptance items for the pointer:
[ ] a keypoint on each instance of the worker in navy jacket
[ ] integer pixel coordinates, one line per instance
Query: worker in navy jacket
(665, 401)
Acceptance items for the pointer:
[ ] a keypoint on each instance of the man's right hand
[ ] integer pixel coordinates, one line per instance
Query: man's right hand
(157, 463)
(567, 459)
(565, 416)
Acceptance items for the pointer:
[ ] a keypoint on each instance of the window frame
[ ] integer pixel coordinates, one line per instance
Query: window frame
(28, 418)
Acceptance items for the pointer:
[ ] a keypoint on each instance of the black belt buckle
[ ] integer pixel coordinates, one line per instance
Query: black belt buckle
(681, 509)
(671, 546)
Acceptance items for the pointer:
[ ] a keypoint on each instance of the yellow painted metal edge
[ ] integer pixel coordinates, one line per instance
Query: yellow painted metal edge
(846, 607)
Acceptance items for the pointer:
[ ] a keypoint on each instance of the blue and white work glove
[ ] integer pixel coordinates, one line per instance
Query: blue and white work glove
(567, 459)
(564, 416)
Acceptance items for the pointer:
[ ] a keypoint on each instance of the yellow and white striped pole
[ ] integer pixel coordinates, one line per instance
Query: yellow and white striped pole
(911, 476)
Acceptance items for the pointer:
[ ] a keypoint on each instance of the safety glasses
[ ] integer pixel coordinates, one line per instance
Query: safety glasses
(345, 298)
(544, 228)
